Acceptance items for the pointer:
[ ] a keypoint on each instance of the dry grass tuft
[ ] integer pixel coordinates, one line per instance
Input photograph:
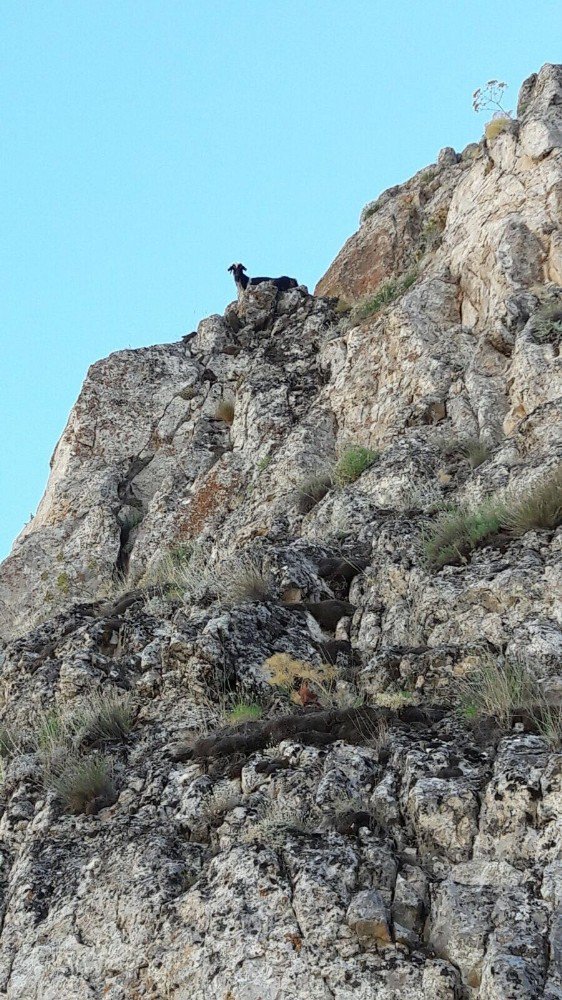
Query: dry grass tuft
(279, 818)
(496, 127)
(541, 507)
(503, 689)
(83, 784)
(225, 411)
(313, 489)
(241, 580)
(352, 463)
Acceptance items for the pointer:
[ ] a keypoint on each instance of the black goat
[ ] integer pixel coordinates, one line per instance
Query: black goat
(242, 280)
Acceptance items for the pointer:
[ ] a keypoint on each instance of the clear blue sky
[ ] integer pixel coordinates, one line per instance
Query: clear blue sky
(149, 143)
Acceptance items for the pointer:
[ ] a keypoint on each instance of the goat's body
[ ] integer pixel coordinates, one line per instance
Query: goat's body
(283, 284)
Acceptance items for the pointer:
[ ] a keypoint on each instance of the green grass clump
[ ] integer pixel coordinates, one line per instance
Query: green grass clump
(352, 463)
(457, 532)
(83, 784)
(244, 711)
(541, 507)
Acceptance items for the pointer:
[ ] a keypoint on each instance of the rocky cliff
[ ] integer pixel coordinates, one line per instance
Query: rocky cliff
(287, 724)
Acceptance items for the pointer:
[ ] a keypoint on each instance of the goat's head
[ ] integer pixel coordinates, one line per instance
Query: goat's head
(237, 269)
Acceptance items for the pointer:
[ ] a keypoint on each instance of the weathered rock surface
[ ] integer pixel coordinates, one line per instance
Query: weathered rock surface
(383, 851)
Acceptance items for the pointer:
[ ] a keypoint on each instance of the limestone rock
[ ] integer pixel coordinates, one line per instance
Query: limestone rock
(363, 838)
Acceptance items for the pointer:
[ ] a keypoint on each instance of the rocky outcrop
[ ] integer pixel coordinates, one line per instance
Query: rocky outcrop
(361, 839)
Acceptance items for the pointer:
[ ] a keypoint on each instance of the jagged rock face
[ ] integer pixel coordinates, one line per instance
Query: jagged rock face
(418, 858)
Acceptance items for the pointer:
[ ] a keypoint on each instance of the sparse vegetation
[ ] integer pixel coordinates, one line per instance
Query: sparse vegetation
(547, 324)
(244, 711)
(182, 572)
(394, 700)
(313, 489)
(541, 507)
(497, 689)
(225, 411)
(264, 463)
(223, 797)
(432, 230)
(83, 784)
(63, 583)
(370, 209)
(387, 292)
(428, 176)
(504, 690)
(352, 463)
(10, 743)
(456, 532)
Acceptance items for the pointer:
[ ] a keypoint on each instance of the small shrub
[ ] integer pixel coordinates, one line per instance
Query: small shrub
(457, 532)
(540, 508)
(395, 700)
(353, 463)
(496, 127)
(182, 572)
(225, 411)
(374, 303)
(83, 783)
(548, 721)
(51, 731)
(244, 712)
(370, 209)
(428, 176)
(313, 489)
(264, 463)
(63, 583)
(547, 324)
(285, 672)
